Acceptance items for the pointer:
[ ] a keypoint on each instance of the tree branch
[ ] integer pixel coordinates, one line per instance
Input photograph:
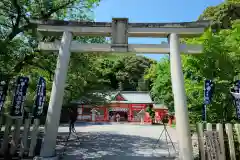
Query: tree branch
(18, 30)
(22, 63)
(6, 9)
(19, 13)
(6, 3)
(26, 19)
(6, 25)
(53, 10)
(15, 29)
(43, 68)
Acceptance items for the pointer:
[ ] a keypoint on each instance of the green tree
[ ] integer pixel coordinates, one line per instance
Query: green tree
(223, 14)
(218, 62)
(18, 40)
(127, 70)
(161, 86)
(18, 37)
(151, 112)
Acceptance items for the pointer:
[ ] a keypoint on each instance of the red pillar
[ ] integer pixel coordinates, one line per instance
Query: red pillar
(130, 112)
(170, 121)
(105, 114)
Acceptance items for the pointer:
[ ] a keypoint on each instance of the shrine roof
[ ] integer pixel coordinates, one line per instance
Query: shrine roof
(132, 97)
(128, 97)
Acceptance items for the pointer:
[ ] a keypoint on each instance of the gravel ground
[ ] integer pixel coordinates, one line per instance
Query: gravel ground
(116, 141)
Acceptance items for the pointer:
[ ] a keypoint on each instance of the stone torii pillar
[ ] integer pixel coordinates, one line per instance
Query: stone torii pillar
(57, 93)
(180, 104)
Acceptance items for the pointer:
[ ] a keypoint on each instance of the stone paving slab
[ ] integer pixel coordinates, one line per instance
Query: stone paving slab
(117, 141)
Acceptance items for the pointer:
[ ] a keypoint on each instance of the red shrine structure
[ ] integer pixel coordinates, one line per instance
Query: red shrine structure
(127, 104)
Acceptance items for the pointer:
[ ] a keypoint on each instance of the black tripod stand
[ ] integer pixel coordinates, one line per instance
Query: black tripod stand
(167, 138)
(72, 131)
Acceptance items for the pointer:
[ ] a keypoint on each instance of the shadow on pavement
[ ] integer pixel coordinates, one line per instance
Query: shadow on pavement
(78, 124)
(111, 146)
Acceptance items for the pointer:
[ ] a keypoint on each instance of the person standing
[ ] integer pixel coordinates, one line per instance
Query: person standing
(73, 114)
(118, 117)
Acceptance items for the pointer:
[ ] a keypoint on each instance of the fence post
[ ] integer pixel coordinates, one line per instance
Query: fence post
(229, 131)
(201, 140)
(24, 142)
(237, 128)
(209, 127)
(16, 136)
(34, 135)
(221, 141)
(7, 132)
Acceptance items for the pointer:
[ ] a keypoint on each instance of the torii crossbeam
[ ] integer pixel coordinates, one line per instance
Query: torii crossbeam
(119, 31)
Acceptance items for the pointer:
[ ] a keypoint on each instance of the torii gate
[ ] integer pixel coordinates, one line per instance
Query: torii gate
(119, 31)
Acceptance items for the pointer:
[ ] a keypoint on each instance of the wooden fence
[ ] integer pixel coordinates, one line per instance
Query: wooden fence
(19, 138)
(218, 141)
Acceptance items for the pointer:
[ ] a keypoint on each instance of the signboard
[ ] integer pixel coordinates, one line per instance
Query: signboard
(40, 98)
(3, 93)
(213, 148)
(117, 109)
(138, 107)
(19, 97)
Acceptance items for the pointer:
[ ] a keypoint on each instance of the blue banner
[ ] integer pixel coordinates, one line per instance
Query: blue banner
(19, 97)
(3, 93)
(236, 89)
(208, 93)
(40, 98)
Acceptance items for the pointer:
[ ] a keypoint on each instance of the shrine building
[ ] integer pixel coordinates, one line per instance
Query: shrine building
(127, 104)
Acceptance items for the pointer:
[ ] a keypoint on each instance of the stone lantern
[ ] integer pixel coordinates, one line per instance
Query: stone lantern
(94, 111)
(141, 114)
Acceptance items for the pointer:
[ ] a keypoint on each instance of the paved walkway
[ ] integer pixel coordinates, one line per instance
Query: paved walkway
(117, 141)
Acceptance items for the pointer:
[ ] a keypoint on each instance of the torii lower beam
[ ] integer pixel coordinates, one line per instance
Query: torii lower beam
(132, 48)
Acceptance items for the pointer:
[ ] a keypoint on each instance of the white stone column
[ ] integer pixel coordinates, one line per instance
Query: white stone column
(142, 115)
(93, 115)
(57, 93)
(180, 104)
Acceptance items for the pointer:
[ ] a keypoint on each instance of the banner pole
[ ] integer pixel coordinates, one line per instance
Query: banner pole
(205, 112)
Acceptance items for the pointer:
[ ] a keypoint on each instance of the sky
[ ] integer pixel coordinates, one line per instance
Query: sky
(154, 11)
